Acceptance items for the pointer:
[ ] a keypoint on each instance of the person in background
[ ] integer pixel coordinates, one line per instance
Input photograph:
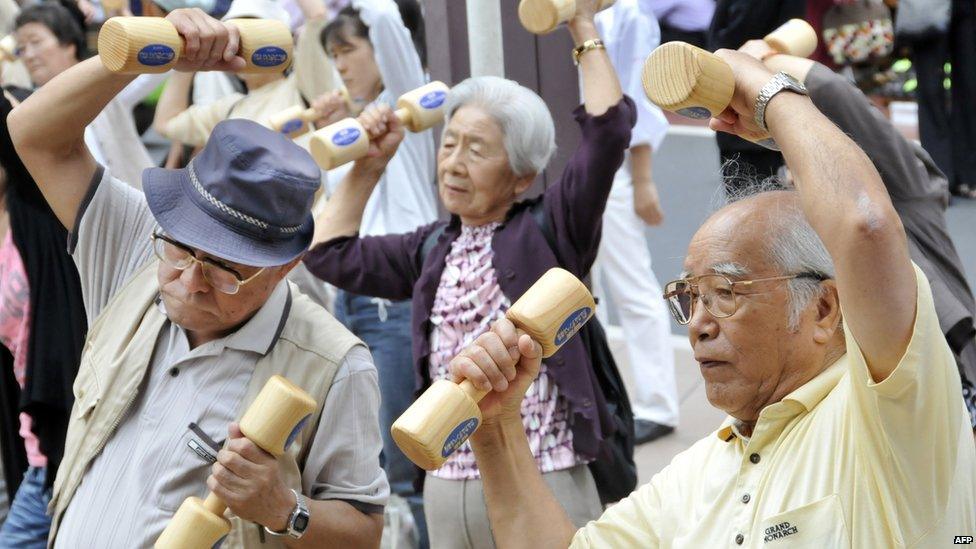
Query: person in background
(623, 268)
(735, 22)
(379, 58)
(683, 20)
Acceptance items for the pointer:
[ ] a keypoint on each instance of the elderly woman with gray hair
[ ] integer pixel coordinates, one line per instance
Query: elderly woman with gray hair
(464, 273)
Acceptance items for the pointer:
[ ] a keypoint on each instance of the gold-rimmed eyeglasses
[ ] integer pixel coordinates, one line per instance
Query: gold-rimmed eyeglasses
(715, 291)
(220, 276)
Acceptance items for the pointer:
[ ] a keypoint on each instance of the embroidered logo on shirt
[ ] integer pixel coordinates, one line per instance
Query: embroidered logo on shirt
(202, 445)
(779, 531)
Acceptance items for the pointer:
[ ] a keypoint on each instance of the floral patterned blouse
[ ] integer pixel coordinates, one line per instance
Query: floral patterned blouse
(467, 301)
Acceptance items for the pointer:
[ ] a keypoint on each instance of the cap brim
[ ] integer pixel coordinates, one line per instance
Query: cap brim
(167, 196)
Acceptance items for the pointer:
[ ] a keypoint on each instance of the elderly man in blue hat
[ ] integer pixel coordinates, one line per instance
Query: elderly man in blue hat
(189, 315)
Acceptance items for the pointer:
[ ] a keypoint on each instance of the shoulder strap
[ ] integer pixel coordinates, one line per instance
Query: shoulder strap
(429, 242)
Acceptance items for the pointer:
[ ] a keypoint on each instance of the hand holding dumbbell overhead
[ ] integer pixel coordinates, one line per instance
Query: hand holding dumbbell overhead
(190, 40)
(325, 109)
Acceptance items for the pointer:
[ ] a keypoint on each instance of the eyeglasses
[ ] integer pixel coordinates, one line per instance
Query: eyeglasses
(222, 278)
(716, 292)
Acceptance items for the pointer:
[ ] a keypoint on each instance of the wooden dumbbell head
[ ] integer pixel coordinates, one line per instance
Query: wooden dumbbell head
(543, 16)
(136, 45)
(194, 526)
(446, 414)
(292, 121)
(8, 48)
(131, 45)
(424, 106)
(688, 80)
(794, 37)
(277, 415)
(338, 143)
(266, 44)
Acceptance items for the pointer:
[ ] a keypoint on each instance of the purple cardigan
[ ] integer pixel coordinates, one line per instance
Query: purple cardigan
(389, 266)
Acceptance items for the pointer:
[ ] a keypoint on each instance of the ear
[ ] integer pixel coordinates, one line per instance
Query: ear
(828, 315)
(523, 183)
(283, 270)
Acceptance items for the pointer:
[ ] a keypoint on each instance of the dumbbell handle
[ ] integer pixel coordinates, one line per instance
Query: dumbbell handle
(214, 504)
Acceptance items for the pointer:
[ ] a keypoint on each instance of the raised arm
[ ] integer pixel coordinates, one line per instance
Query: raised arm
(396, 56)
(48, 129)
(846, 203)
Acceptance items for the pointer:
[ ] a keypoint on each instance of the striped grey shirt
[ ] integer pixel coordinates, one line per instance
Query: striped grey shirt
(163, 449)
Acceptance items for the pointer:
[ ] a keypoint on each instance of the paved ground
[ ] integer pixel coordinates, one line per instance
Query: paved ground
(685, 169)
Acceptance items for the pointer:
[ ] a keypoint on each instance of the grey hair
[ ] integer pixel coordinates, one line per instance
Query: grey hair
(527, 128)
(794, 247)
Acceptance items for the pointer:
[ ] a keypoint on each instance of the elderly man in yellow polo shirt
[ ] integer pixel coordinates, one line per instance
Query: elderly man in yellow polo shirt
(818, 336)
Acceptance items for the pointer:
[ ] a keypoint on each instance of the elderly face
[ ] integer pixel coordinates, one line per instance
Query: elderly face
(42, 54)
(196, 306)
(752, 358)
(474, 178)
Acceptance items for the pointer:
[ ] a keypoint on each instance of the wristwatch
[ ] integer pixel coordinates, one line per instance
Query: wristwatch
(779, 82)
(592, 44)
(297, 522)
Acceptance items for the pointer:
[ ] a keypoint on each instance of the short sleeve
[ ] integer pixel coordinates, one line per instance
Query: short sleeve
(110, 240)
(344, 460)
(633, 522)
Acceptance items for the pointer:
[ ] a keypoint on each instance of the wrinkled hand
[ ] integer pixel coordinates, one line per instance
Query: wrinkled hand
(208, 44)
(750, 76)
(330, 107)
(647, 204)
(248, 481)
(504, 362)
(385, 134)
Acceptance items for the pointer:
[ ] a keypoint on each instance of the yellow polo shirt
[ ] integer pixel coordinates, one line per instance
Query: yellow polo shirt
(840, 462)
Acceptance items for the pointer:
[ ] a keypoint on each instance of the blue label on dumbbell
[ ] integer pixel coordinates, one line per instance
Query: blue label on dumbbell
(292, 125)
(219, 543)
(695, 112)
(346, 136)
(432, 100)
(269, 56)
(458, 436)
(295, 431)
(769, 143)
(155, 55)
(572, 324)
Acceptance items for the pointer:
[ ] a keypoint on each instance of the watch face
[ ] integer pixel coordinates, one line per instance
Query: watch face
(301, 522)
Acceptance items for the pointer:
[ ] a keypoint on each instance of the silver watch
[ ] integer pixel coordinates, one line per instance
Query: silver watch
(779, 82)
(297, 522)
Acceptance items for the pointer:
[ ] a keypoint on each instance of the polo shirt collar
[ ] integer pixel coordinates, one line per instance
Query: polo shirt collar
(807, 395)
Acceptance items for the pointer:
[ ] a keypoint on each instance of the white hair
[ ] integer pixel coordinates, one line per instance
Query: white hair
(793, 246)
(527, 128)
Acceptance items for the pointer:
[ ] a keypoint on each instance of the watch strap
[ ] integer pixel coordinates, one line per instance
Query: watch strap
(300, 508)
(779, 82)
(587, 45)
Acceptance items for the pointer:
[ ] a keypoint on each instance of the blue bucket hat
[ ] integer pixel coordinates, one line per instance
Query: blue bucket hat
(246, 198)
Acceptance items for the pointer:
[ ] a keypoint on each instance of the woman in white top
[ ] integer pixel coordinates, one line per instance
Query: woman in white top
(377, 58)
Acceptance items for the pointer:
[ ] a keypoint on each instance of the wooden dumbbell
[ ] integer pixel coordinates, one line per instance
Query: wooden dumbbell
(294, 121)
(137, 45)
(113, 6)
(8, 48)
(543, 16)
(434, 426)
(346, 140)
(692, 82)
(272, 422)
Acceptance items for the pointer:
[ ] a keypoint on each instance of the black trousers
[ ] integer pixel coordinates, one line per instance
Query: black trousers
(947, 119)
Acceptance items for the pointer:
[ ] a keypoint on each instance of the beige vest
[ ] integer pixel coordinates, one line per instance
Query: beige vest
(116, 358)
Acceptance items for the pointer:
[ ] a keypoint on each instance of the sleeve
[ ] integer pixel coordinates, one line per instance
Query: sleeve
(380, 266)
(138, 89)
(904, 175)
(909, 427)
(110, 240)
(344, 460)
(632, 522)
(395, 54)
(574, 205)
(314, 72)
(635, 35)
(193, 126)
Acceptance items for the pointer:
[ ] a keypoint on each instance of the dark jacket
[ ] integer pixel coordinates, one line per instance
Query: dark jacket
(390, 267)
